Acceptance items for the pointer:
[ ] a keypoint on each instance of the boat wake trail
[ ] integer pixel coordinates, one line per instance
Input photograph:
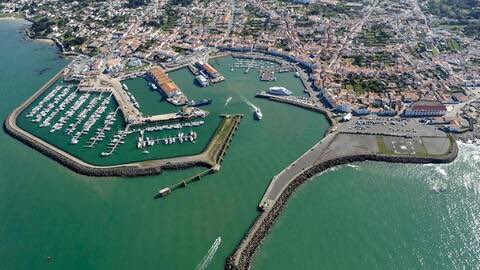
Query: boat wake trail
(228, 101)
(250, 104)
(209, 256)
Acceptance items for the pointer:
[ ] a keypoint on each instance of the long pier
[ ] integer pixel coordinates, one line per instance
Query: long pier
(118, 141)
(101, 132)
(165, 191)
(215, 151)
(299, 102)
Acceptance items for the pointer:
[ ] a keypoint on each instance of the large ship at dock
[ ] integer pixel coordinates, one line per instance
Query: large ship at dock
(279, 91)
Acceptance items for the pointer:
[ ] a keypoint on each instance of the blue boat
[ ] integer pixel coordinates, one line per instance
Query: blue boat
(198, 103)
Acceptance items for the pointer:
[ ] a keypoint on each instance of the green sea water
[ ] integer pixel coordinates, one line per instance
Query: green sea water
(114, 223)
(362, 216)
(379, 216)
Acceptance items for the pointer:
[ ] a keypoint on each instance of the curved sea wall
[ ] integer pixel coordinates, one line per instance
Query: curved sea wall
(141, 168)
(241, 259)
(121, 170)
(126, 170)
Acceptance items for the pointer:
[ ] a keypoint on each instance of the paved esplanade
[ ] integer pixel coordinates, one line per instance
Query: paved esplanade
(338, 145)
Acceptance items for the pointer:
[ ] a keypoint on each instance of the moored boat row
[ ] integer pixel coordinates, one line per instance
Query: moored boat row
(100, 133)
(45, 100)
(181, 137)
(169, 126)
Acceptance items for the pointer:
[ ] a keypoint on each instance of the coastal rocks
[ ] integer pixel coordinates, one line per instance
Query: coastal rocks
(125, 170)
(468, 137)
(120, 171)
(241, 259)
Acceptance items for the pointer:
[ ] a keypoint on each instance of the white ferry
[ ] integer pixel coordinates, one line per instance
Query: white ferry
(279, 91)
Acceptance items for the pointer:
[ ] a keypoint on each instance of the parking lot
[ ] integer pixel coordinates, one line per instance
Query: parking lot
(409, 127)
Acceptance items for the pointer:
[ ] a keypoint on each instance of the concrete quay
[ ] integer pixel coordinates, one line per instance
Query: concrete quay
(104, 83)
(302, 103)
(129, 111)
(335, 149)
(308, 86)
(260, 56)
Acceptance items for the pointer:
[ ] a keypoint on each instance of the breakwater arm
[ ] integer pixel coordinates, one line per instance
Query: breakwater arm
(214, 152)
(307, 104)
(335, 149)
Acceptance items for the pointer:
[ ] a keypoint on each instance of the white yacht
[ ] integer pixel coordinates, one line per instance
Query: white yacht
(257, 114)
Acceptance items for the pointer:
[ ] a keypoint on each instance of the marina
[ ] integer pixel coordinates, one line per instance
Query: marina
(247, 64)
(144, 141)
(85, 205)
(168, 126)
(100, 133)
(92, 119)
(116, 140)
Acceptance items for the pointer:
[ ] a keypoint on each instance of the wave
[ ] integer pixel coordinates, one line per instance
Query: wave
(252, 106)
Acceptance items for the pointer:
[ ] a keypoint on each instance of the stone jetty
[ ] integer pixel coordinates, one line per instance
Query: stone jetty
(335, 149)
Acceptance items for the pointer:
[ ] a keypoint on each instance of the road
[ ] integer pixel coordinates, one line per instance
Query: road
(349, 37)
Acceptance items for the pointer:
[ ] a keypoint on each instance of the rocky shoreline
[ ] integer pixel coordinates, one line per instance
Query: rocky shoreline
(81, 167)
(120, 171)
(469, 137)
(242, 259)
